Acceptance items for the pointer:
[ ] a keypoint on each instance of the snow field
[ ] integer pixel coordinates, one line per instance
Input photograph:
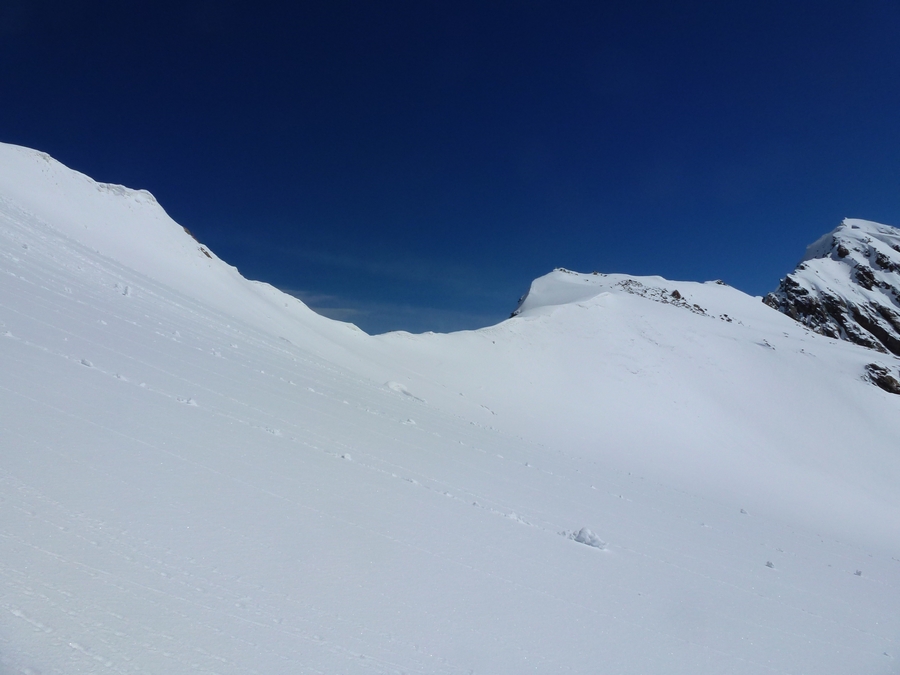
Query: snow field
(189, 486)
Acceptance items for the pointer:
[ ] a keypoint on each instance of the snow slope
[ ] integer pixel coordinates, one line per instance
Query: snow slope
(713, 388)
(199, 475)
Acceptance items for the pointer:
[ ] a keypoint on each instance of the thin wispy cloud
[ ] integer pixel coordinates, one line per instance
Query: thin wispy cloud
(380, 317)
(454, 277)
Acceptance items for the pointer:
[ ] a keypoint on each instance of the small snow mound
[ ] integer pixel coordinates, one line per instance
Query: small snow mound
(401, 389)
(587, 537)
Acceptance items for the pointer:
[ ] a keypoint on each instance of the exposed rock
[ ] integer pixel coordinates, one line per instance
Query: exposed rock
(881, 376)
(848, 286)
(885, 263)
(657, 294)
(865, 277)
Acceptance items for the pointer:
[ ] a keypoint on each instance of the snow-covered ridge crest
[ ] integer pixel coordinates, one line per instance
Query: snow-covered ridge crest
(565, 287)
(132, 229)
(848, 286)
(126, 225)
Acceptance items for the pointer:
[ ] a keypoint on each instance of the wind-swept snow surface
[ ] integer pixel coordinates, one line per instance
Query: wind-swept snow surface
(199, 475)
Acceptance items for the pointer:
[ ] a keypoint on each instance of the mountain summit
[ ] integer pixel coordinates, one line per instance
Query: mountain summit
(848, 286)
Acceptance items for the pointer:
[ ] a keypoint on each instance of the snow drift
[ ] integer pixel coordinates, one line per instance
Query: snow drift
(632, 475)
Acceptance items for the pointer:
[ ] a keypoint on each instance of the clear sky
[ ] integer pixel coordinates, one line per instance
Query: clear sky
(414, 164)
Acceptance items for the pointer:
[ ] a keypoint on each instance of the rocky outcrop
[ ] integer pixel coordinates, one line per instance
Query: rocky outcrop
(881, 376)
(848, 286)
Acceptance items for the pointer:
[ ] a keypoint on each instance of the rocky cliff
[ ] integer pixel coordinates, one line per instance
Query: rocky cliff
(848, 286)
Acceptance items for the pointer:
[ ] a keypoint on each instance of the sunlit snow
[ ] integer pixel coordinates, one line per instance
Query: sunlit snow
(198, 474)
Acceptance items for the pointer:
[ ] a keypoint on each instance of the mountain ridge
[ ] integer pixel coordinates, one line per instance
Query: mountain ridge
(200, 475)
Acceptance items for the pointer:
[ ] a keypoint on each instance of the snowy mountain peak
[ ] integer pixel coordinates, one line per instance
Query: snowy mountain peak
(565, 287)
(848, 286)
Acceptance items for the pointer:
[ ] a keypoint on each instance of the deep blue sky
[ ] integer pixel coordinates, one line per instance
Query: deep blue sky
(414, 164)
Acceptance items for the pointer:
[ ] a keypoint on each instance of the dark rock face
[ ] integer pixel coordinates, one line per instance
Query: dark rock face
(881, 376)
(848, 286)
